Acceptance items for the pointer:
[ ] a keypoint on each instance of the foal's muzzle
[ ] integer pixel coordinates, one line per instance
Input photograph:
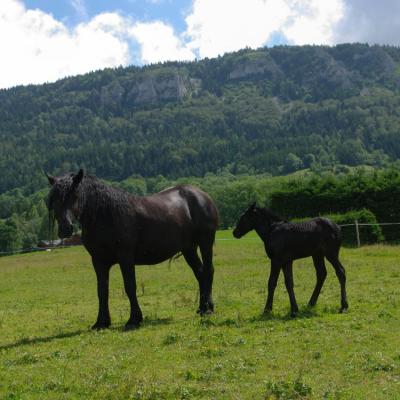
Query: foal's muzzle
(237, 234)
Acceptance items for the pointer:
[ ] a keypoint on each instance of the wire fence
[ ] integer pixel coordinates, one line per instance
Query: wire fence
(357, 225)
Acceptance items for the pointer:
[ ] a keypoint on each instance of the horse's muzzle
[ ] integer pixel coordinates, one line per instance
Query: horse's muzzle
(65, 231)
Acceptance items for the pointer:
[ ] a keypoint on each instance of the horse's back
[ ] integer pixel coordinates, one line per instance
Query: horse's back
(196, 204)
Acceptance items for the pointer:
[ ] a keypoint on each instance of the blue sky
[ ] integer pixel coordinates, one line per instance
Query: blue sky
(45, 40)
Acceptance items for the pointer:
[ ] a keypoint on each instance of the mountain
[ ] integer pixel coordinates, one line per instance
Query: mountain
(272, 110)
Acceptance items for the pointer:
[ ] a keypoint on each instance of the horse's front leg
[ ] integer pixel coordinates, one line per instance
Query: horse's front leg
(102, 270)
(272, 281)
(129, 276)
(288, 272)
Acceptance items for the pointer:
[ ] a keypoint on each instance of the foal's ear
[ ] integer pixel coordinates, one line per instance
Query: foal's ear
(253, 206)
(76, 180)
(52, 179)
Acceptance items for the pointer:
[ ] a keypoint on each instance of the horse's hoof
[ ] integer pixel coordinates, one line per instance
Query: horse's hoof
(130, 326)
(100, 325)
(205, 312)
(293, 314)
(343, 310)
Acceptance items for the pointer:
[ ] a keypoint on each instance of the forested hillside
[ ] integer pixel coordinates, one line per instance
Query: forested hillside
(269, 110)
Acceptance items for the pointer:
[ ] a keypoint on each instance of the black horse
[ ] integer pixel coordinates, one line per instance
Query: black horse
(121, 228)
(287, 241)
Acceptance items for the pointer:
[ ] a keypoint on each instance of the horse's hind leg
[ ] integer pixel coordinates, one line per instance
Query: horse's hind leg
(206, 250)
(320, 270)
(129, 276)
(288, 273)
(333, 258)
(196, 265)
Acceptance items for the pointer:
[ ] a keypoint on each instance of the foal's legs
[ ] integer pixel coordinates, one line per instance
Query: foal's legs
(206, 250)
(288, 272)
(193, 259)
(333, 258)
(320, 269)
(128, 273)
(272, 281)
(102, 270)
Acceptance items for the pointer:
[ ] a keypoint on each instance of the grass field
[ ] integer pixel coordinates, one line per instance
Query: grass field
(48, 302)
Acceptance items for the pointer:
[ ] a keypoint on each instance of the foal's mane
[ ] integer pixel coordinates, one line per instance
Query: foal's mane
(269, 216)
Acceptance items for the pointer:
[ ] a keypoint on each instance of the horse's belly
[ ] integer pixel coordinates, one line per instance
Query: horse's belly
(150, 257)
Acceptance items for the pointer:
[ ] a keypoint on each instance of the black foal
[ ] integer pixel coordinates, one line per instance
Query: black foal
(287, 241)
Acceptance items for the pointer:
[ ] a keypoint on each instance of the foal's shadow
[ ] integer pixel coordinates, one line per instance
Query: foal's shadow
(304, 313)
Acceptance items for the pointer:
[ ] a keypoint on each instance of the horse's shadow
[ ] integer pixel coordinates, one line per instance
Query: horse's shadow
(26, 341)
(41, 339)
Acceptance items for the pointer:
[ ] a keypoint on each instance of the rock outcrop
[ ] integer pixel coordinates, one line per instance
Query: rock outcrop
(261, 64)
(155, 88)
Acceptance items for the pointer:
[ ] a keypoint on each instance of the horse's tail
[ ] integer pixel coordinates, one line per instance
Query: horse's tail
(175, 257)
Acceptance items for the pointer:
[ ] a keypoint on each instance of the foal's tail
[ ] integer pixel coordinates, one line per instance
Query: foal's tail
(335, 232)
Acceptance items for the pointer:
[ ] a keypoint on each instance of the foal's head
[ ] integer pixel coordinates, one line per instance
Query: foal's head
(247, 221)
(62, 200)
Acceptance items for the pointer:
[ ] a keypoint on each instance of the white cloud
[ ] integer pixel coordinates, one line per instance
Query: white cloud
(159, 43)
(313, 21)
(37, 48)
(215, 27)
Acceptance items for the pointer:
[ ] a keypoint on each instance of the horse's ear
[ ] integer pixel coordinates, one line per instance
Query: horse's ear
(52, 179)
(253, 206)
(76, 180)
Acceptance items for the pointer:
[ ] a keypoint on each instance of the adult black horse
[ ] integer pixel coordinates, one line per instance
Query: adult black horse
(118, 227)
(287, 241)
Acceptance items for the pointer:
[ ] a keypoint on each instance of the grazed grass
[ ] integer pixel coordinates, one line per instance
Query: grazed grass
(48, 301)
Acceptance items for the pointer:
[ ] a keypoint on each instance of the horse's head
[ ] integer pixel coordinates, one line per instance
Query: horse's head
(246, 222)
(62, 200)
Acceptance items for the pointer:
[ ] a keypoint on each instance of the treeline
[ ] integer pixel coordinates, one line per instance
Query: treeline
(271, 111)
(367, 195)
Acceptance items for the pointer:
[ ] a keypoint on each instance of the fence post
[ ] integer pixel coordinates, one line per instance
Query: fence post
(357, 233)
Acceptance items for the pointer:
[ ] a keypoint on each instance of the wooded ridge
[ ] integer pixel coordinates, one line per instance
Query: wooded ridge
(274, 110)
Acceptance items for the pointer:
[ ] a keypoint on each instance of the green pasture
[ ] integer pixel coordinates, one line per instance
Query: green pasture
(48, 302)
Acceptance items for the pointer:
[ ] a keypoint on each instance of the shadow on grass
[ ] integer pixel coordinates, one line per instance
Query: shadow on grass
(26, 341)
(240, 320)
(149, 321)
(305, 312)
(29, 341)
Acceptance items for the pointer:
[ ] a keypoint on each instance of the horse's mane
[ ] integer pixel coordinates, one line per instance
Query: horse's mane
(96, 199)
